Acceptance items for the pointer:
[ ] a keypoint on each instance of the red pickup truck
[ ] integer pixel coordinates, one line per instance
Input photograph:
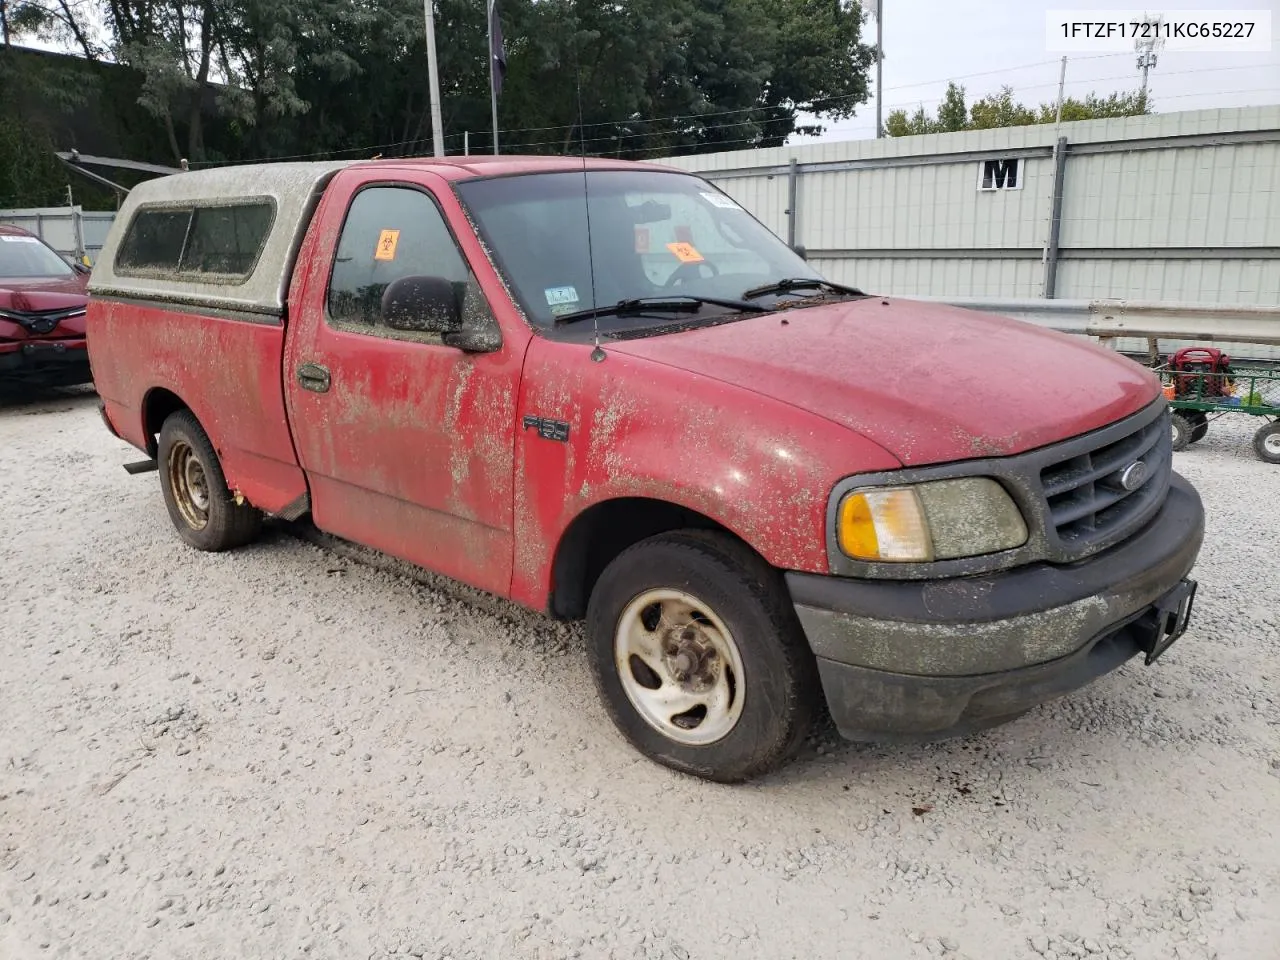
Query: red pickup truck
(605, 391)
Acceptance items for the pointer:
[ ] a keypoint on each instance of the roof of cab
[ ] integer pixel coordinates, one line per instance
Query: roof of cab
(295, 189)
(480, 165)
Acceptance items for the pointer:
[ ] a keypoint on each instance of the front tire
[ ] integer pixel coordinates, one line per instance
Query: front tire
(202, 509)
(699, 658)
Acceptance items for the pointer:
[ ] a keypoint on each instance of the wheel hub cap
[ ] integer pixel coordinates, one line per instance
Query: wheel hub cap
(679, 666)
(190, 485)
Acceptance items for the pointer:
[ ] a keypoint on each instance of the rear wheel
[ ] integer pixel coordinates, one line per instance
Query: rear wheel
(699, 657)
(202, 509)
(1266, 442)
(1182, 430)
(1198, 431)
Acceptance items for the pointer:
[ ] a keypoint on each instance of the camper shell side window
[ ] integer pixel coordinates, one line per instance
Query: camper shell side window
(210, 242)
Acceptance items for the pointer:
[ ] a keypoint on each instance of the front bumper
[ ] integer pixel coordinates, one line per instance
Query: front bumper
(47, 362)
(926, 659)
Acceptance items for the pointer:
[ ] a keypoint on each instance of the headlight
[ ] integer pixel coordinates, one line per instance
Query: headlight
(940, 520)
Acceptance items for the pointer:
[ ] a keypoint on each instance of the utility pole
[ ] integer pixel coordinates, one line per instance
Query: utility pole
(493, 66)
(1062, 84)
(1147, 47)
(877, 9)
(437, 125)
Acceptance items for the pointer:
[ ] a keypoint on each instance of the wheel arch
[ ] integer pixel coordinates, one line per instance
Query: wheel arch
(602, 531)
(158, 405)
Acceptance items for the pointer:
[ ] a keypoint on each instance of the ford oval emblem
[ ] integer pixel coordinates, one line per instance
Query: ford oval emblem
(1133, 476)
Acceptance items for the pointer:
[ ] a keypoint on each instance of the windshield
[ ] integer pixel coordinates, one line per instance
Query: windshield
(653, 234)
(26, 257)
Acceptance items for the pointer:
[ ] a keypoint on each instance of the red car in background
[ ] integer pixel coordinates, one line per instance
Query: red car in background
(42, 307)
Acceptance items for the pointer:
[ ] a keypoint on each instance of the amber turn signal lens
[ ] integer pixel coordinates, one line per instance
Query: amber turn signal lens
(886, 525)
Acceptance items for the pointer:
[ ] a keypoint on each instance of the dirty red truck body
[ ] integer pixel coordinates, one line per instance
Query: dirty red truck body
(534, 458)
(42, 314)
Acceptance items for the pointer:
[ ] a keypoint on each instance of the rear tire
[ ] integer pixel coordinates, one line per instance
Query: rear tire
(699, 658)
(1182, 430)
(202, 509)
(1198, 431)
(1266, 442)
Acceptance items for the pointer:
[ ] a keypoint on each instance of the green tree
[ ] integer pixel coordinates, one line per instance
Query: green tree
(30, 172)
(246, 79)
(1093, 107)
(1001, 110)
(952, 115)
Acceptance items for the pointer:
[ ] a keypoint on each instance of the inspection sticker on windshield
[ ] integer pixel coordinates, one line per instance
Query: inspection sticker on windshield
(10, 238)
(720, 200)
(388, 240)
(561, 298)
(685, 252)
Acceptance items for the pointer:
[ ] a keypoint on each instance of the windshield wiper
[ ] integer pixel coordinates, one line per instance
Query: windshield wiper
(801, 283)
(678, 304)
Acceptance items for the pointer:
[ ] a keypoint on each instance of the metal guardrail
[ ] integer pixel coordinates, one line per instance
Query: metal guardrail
(1141, 319)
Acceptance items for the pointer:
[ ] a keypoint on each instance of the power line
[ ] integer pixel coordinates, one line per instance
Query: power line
(703, 127)
(758, 107)
(692, 117)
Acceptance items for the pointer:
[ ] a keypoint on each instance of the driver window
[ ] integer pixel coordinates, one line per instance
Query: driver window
(389, 233)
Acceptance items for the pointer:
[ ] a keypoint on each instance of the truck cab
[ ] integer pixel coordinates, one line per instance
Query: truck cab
(605, 391)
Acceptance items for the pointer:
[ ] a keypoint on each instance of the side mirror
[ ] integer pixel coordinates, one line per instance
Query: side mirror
(81, 267)
(422, 305)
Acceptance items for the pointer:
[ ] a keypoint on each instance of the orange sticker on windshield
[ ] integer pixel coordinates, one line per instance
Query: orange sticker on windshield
(685, 252)
(388, 240)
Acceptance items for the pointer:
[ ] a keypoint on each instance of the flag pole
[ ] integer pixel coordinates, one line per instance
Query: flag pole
(493, 90)
(437, 125)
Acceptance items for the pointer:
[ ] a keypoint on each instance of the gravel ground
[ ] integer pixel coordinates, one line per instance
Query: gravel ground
(285, 752)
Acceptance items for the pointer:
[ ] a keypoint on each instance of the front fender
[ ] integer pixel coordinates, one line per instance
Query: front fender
(759, 467)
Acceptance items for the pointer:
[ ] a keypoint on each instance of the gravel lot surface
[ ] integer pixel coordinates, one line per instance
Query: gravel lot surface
(285, 752)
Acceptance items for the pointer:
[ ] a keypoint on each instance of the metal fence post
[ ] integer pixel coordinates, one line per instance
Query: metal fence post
(1055, 222)
(77, 224)
(793, 189)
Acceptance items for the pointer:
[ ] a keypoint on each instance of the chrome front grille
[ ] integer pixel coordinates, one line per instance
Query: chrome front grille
(1089, 507)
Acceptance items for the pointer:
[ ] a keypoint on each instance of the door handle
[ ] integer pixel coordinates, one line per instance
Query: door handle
(313, 377)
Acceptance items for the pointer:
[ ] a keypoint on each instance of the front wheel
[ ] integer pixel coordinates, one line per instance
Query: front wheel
(1266, 442)
(699, 657)
(202, 509)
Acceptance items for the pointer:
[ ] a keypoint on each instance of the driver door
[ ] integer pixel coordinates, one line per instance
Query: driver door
(407, 443)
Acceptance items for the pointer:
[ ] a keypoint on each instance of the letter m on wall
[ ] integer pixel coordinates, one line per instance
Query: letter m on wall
(1000, 174)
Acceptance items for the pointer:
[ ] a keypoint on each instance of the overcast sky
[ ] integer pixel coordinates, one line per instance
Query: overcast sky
(928, 42)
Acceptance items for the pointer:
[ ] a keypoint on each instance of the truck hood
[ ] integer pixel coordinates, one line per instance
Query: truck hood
(927, 382)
